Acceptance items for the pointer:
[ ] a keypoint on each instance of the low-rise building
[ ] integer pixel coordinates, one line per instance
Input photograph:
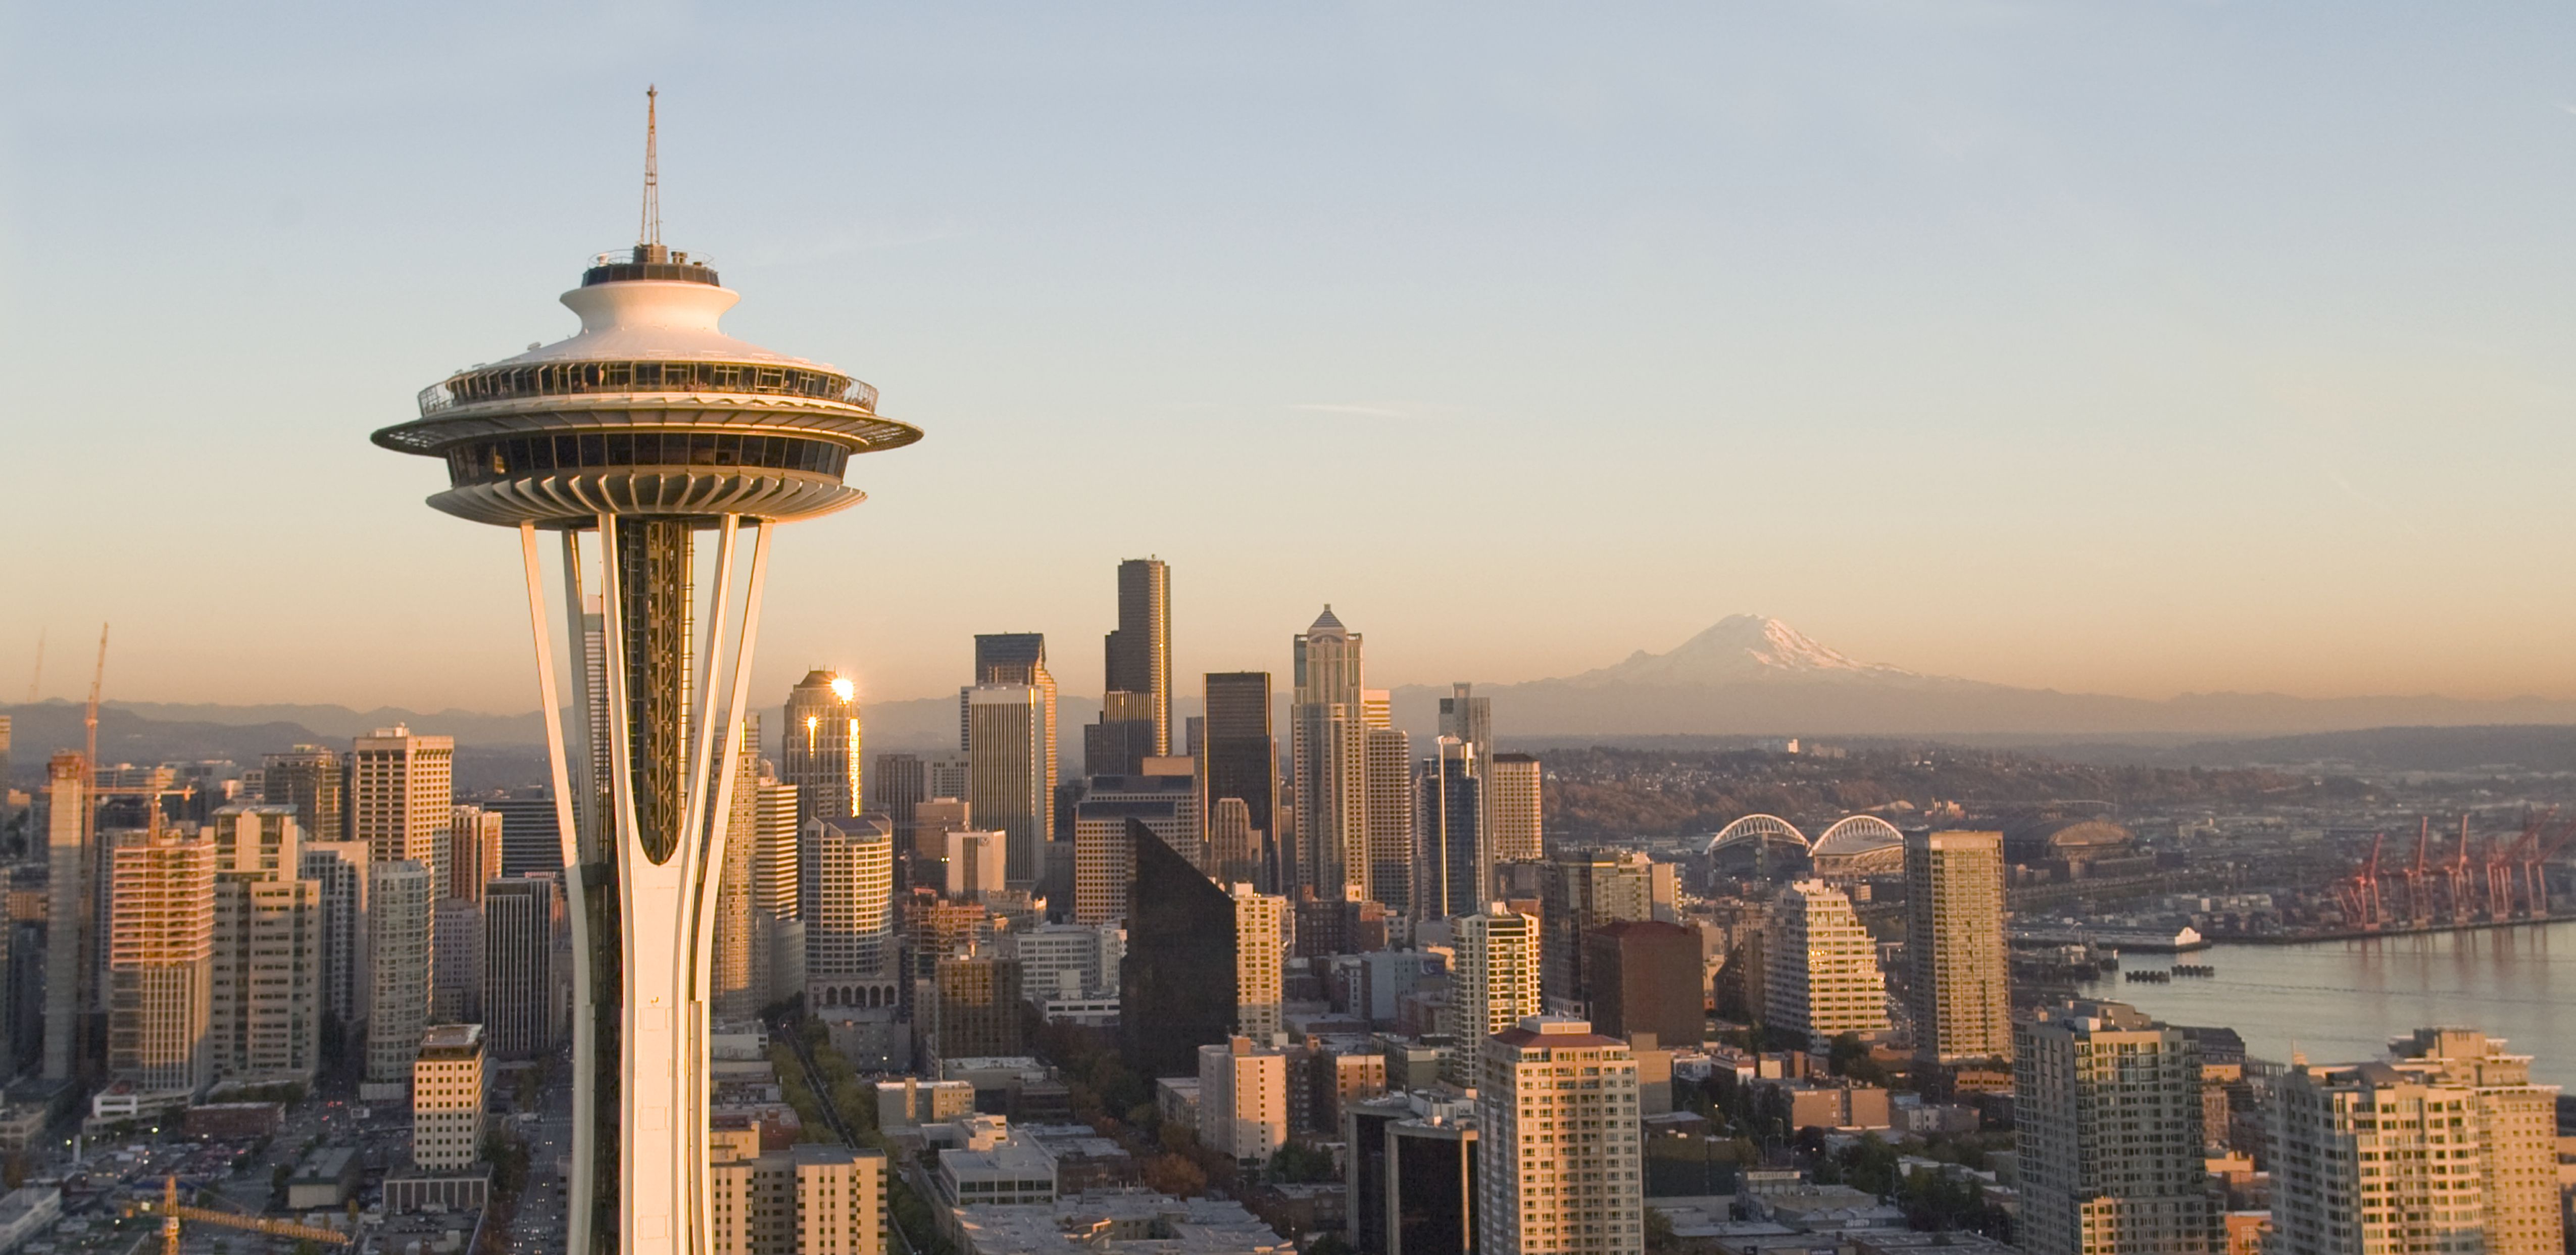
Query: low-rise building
(995, 1166)
(1107, 1222)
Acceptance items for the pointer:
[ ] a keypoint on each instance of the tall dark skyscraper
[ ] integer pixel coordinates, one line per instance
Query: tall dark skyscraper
(1453, 876)
(1139, 653)
(1177, 984)
(1241, 760)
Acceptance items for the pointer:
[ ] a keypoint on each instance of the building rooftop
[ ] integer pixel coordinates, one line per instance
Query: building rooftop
(452, 1040)
(1119, 1220)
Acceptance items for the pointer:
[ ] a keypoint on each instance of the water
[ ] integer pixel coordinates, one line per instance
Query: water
(2340, 1001)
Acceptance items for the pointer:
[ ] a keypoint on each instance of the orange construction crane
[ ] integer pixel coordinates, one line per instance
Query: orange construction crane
(172, 1212)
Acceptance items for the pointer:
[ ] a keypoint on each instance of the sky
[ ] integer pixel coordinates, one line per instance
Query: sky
(2130, 348)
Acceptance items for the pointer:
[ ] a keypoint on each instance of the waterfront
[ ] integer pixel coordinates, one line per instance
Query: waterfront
(2339, 1001)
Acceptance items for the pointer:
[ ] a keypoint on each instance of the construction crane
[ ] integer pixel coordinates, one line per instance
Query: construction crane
(172, 1212)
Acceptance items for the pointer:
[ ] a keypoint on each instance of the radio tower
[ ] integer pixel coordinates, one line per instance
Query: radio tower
(645, 430)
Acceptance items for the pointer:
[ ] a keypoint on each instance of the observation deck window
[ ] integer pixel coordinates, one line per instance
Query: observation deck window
(552, 379)
(486, 461)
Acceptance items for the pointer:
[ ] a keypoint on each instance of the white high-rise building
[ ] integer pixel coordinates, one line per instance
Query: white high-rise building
(1008, 789)
(820, 747)
(1559, 1133)
(2446, 1147)
(402, 798)
(1243, 1099)
(848, 891)
(1261, 923)
(399, 928)
(735, 996)
(776, 973)
(2107, 1103)
(1824, 979)
(71, 932)
(618, 448)
(1328, 745)
(810, 1199)
(1958, 986)
(447, 1097)
(972, 866)
(268, 961)
(473, 852)
(1494, 983)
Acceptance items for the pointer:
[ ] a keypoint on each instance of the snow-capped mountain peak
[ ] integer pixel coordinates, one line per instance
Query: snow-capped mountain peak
(1744, 648)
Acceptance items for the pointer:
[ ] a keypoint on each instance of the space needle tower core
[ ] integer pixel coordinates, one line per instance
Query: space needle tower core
(647, 428)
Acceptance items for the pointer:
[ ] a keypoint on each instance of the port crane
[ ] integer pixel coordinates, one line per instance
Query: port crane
(173, 1211)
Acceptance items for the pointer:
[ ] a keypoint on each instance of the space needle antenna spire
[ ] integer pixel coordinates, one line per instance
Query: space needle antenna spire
(648, 232)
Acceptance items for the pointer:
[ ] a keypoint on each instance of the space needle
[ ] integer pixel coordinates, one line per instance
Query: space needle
(647, 429)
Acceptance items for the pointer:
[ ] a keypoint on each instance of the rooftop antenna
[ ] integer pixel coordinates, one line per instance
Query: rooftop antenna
(648, 232)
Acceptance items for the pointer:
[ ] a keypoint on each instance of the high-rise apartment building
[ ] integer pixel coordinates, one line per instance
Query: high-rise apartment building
(1328, 745)
(1580, 890)
(402, 800)
(447, 1098)
(340, 869)
(456, 961)
(307, 778)
(160, 961)
(733, 995)
(1260, 963)
(1012, 658)
(1454, 877)
(1558, 1124)
(267, 973)
(1243, 1099)
(1011, 774)
(399, 931)
(1514, 803)
(819, 748)
(1495, 981)
(1823, 978)
(473, 851)
(1139, 652)
(1954, 949)
(523, 925)
(2445, 1147)
(2107, 1105)
(848, 909)
(1239, 759)
(71, 938)
(1391, 830)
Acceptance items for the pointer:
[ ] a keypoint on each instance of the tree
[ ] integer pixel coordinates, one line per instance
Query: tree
(1173, 1175)
(1659, 1232)
(1332, 1243)
(1297, 1162)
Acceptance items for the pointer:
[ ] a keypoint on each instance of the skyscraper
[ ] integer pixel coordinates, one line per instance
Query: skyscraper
(847, 896)
(819, 747)
(2106, 1103)
(1580, 890)
(736, 943)
(1243, 1099)
(1010, 779)
(402, 799)
(1260, 963)
(1544, 1190)
(1644, 977)
(1454, 876)
(1391, 829)
(976, 1010)
(160, 961)
(456, 961)
(340, 869)
(1013, 658)
(1177, 982)
(522, 926)
(70, 935)
(1822, 978)
(266, 995)
(1329, 747)
(473, 852)
(1954, 948)
(1514, 803)
(400, 927)
(775, 882)
(447, 1098)
(1469, 718)
(1411, 1181)
(308, 779)
(647, 427)
(2445, 1147)
(1139, 651)
(1240, 760)
(1495, 983)
(1234, 845)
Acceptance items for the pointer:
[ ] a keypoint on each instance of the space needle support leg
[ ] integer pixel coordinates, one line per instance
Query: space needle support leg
(568, 839)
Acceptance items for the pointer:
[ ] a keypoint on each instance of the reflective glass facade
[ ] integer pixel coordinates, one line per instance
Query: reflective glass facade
(485, 461)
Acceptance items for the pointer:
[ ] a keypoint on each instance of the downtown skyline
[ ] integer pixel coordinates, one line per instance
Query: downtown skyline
(2077, 350)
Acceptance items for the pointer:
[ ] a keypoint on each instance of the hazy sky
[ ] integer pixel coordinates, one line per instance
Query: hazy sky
(2123, 347)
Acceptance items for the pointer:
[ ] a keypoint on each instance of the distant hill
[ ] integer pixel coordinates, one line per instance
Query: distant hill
(1753, 676)
(2509, 747)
